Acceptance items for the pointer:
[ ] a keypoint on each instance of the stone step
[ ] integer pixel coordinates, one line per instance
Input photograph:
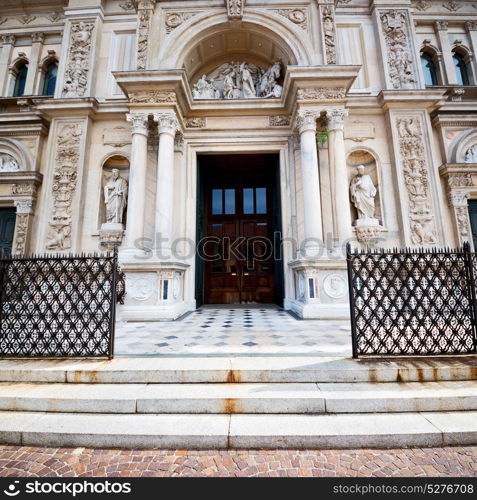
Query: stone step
(238, 431)
(247, 369)
(254, 398)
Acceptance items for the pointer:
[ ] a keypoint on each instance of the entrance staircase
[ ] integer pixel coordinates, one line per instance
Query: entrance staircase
(239, 402)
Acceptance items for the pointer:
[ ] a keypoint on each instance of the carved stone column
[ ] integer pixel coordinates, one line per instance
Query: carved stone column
(339, 174)
(471, 27)
(328, 30)
(168, 126)
(313, 231)
(37, 44)
(445, 47)
(137, 178)
(8, 42)
(21, 238)
(145, 10)
(460, 214)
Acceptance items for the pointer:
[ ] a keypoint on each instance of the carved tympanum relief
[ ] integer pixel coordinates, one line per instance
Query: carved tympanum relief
(8, 163)
(416, 178)
(77, 68)
(239, 80)
(400, 64)
(471, 154)
(64, 185)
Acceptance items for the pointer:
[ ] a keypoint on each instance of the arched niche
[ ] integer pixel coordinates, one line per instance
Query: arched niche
(368, 160)
(461, 144)
(15, 154)
(113, 162)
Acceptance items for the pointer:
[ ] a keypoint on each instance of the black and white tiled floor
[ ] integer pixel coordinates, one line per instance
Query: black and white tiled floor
(229, 330)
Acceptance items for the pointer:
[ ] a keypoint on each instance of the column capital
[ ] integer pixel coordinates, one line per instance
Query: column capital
(306, 120)
(145, 4)
(8, 39)
(441, 25)
(335, 118)
(458, 197)
(38, 37)
(24, 206)
(139, 123)
(471, 25)
(167, 123)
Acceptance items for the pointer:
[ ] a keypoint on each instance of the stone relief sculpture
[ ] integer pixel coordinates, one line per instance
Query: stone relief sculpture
(328, 23)
(416, 179)
(77, 68)
(64, 186)
(8, 163)
(399, 58)
(235, 8)
(239, 80)
(471, 155)
(363, 193)
(143, 25)
(115, 197)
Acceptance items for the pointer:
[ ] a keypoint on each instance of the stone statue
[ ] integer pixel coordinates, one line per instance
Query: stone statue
(471, 154)
(203, 89)
(8, 163)
(247, 82)
(115, 197)
(363, 193)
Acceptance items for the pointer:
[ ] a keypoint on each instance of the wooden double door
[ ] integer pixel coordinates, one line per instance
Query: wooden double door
(7, 229)
(239, 230)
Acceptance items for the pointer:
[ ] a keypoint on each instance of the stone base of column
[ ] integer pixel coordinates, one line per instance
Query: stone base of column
(154, 291)
(321, 289)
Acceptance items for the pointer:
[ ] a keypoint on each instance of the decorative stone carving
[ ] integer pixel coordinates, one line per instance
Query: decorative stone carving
(279, 121)
(64, 186)
(115, 197)
(459, 180)
(306, 120)
(8, 39)
(457, 197)
(77, 67)
(453, 6)
(175, 19)
(335, 119)
(321, 94)
(23, 189)
(110, 238)
(152, 96)
(144, 17)
(55, 17)
(195, 122)
(471, 25)
(239, 80)
(179, 143)
(26, 18)
(463, 226)
(422, 5)
(363, 192)
(329, 33)
(24, 206)
(441, 25)
(127, 5)
(235, 8)
(142, 287)
(8, 163)
(416, 178)
(38, 37)
(471, 154)
(296, 16)
(368, 234)
(167, 122)
(400, 64)
(335, 286)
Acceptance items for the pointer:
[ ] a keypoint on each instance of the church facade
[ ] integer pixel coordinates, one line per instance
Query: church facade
(229, 149)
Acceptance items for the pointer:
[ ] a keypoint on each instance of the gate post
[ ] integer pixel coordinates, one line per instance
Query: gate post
(469, 258)
(114, 291)
(349, 257)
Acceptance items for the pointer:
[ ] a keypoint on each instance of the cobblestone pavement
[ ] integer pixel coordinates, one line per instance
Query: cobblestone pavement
(50, 462)
(235, 330)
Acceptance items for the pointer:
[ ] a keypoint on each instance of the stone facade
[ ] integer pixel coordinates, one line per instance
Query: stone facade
(325, 85)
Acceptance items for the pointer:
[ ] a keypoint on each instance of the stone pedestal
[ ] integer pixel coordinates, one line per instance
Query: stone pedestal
(368, 231)
(111, 235)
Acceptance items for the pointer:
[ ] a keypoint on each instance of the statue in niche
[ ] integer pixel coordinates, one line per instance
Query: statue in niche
(363, 193)
(471, 154)
(115, 197)
(8, 163)
(239, 80)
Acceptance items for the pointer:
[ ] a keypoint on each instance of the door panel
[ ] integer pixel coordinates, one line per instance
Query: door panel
(473, 220)
(237, 245)
(7, 229)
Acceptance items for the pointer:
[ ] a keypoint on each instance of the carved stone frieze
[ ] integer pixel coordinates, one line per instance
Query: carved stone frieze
(23, 189)
(176, 19)
(329, 32)
(319, 94)
(195, 122)
(235, 8)
(416, 178)
(453, 6)
(422, 5)
(64, 186)
(400, 65)
(26, 18)
(127, 5)
(463, 224)
(21, 233)
(152, 96)
(79, 55)
(279, 121)
(54, 17)
(144, 18)
(296, 16)
(459, 180)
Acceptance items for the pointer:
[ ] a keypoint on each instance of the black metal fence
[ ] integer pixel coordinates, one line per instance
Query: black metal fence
(59, 306)
(413, 302)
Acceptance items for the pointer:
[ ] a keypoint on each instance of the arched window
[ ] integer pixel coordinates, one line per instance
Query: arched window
(429, 69)
(49, 82)
(460, 69)
(20, 79)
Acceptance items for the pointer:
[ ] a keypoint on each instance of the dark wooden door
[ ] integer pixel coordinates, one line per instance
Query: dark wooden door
(238, 241)
(7, 229)
(473, 220)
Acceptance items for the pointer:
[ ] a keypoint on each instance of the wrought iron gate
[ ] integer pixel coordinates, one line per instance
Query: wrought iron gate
(59, 306)
(413, 302)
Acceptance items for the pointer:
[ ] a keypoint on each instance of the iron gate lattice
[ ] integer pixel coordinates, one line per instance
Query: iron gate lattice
(413, 302)
(59, 306)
